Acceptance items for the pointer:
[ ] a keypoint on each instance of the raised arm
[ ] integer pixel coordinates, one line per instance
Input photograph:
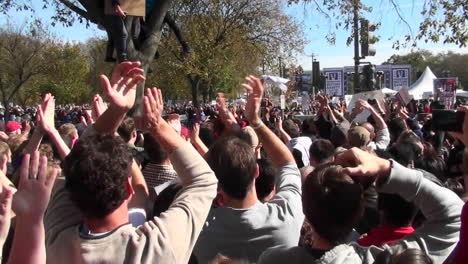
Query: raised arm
(226, 116)
(274, 147)
(47, 125)
(196, 140)
(36, 138)
(29, 204)
(283, 134)
(379, 121)
(121, 92)
(183, 221)
(440, 206)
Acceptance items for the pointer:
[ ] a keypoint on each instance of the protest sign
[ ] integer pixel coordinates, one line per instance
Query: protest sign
(446, 89)
(403, 96)
(334, 82)
(400, 78)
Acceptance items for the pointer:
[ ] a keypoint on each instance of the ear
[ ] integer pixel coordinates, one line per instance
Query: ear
(134, 134)
(257, 171)
(129, 187)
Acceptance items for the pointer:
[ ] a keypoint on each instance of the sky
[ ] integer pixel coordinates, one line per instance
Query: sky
(315, 28)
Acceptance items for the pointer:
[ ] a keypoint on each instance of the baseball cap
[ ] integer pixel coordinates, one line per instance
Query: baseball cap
(358, 136)
(12, 126)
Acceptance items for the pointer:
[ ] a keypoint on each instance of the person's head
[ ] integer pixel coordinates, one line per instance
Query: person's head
(291, 128)
(154, 150)
(97, 174)
(432, 164)
(333, 203)
(69, 133)
(265, 183)
(127, 130)
(235, 166)
(395, 211)
(13, 128)
(396, 127)
(358, 137)
(339, 135)
(403, 153)
(5, 151)
(308, 127)
(409, 137)
(249, 135)
(16, 143)
(369, 128)
(321, 151)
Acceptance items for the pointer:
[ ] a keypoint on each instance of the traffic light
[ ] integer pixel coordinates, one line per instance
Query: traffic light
(368, 74)
(315, 73)
(368, 38)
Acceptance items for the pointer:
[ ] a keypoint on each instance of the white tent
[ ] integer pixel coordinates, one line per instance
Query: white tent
(424, 85)
(388, 91)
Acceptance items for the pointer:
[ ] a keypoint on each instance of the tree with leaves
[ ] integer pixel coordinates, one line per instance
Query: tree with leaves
(23, 56)
(223, 40)
(443, 20)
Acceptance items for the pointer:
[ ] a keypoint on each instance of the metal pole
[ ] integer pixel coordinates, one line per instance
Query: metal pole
(356, 46)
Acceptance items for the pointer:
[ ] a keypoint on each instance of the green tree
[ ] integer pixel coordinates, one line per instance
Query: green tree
(443, 20)
(224, 40)
(23, 57)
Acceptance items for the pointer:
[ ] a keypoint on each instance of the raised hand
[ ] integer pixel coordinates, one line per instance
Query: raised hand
(35, 186)
(45, 114)
(226, 116)
(153, 109)
(99, 106)
(174, 121)
(254, 87)
(121, 89)
(195, 132)
(362, 164)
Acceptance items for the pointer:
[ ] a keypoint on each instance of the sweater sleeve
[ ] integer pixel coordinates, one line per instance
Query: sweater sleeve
(440, 206)
(288, 191)
(183, 221)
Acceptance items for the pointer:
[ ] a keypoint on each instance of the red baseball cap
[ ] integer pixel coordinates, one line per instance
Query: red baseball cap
(12, 126)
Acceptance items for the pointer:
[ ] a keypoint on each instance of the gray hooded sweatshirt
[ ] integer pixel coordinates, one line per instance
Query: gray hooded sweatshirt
(437, 237)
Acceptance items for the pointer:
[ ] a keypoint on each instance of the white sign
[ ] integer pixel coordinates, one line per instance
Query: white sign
(283, 102)
(400, 78)
(334, 82)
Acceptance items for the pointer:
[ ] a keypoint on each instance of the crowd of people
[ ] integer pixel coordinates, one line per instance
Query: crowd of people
(232, 183)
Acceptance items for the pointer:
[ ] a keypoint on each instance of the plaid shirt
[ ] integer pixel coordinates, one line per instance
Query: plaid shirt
(156, 174)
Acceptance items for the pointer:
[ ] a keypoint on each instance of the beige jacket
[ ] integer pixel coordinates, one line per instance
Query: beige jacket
(131, 7)
(167, 239)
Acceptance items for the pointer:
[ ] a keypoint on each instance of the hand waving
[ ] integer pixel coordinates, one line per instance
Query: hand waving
(35, 186)
(254, 87)
(121, 89)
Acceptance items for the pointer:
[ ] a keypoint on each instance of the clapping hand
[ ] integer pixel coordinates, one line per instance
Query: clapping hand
(45, 113)
(254, 88)
(153, 109)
